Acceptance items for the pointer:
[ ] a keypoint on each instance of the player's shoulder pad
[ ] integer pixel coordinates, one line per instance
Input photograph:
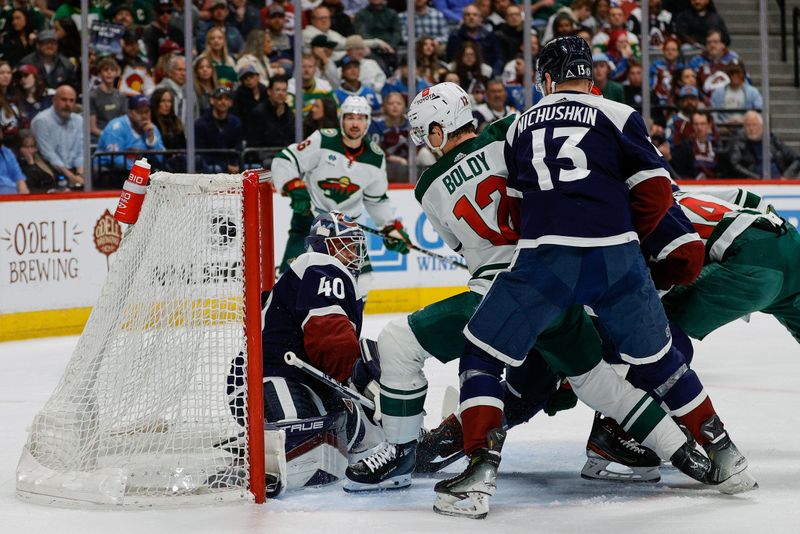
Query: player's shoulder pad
(328, 132)
(315, 261)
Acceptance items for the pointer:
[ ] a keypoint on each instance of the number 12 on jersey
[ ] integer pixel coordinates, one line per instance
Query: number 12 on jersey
(484, 196)
(569, 150)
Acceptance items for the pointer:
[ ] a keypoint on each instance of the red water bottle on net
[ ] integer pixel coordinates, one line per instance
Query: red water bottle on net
(130, 201)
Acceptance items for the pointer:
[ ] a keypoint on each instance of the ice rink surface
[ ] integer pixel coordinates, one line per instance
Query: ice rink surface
(750, 370)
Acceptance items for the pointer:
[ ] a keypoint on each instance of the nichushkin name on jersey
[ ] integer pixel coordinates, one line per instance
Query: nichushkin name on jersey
(571, 113)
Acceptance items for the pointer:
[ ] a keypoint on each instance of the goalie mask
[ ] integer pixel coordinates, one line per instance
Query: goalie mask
(445, 104)
(355, 105)
(337, 235)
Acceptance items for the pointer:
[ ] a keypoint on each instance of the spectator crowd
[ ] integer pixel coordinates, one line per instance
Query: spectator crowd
(706, 113)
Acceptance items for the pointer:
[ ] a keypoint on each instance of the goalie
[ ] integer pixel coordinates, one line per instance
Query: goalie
(313, 311)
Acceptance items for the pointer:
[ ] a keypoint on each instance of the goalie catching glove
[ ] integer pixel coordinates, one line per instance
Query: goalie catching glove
(395, 237)
(367, 374)
(299, 198)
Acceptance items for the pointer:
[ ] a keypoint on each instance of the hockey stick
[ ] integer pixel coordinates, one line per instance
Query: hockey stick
(412, 246)
(310, 370)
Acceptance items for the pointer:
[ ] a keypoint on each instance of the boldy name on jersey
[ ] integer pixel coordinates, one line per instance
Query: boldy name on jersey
(472, 166)
(583, 114)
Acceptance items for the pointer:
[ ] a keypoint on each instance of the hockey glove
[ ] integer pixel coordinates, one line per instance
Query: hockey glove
(367, 374)
(395, 237)
(562, 399)
(299, 199)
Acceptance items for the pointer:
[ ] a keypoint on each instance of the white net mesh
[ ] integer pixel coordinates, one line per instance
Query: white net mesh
(142, 415)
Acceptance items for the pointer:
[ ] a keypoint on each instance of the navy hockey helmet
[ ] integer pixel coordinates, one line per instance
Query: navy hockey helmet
(335, 234)
(565, 58)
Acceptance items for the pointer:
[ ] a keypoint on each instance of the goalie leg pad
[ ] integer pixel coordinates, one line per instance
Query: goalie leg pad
(316, 450)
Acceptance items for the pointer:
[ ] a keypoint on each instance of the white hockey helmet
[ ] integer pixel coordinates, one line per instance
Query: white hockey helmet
(445, 104)
(357, 105)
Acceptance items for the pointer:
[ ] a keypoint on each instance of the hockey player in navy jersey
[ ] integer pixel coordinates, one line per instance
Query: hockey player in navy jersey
(591, 186)
(441, 118)
(315, 312)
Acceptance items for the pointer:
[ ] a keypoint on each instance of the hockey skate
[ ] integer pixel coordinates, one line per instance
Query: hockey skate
(729, 466)
(389, 467)
(609, 443)
(440, 447)
(691, 462)
(475, 485)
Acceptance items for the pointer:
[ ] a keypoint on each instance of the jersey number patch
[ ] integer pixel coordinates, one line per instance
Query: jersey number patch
(465, 211)
(569, 150)
(330, 287)
(706, 210)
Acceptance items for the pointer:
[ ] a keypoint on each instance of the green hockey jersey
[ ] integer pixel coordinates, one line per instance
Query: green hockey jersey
(337, 179)
(465, 198)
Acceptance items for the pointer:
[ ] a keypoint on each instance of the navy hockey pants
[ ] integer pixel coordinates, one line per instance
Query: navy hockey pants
(544, 281)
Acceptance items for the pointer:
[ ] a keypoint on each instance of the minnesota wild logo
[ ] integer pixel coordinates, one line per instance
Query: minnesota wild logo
(338, 189)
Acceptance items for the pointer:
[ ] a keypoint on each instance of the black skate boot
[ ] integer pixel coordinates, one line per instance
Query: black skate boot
(477, 483)
(690, 461)
(609, 443)
(729, 466)
(440, 447)
(389, 467)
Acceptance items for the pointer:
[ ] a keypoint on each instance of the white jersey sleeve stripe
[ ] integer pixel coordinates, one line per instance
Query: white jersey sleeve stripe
(682, 240)
(321, 312)
(641, 176)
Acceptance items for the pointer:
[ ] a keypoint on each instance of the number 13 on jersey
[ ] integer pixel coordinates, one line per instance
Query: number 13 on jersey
(542, 149)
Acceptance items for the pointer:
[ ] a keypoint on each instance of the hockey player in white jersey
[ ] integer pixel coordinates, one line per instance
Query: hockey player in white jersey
(464, 195)
(337, 169)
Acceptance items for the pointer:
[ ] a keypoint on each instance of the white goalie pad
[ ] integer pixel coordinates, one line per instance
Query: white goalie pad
(275, 459)
(315, 451)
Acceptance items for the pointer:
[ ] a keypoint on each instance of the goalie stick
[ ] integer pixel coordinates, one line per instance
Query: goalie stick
(310, 370)
(412, 246)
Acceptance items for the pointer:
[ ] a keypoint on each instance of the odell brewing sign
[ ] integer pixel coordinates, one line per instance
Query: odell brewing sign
(107, 234)
(41, 250)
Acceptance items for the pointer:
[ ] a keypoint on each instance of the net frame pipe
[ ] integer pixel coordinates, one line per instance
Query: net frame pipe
(252, 304)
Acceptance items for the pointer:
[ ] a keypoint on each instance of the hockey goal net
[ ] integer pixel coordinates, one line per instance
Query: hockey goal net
(148, 412)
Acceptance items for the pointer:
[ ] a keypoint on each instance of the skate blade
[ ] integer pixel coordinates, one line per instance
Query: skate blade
(393, 483)
(477, 505)
(602, 469)
(739, 483)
